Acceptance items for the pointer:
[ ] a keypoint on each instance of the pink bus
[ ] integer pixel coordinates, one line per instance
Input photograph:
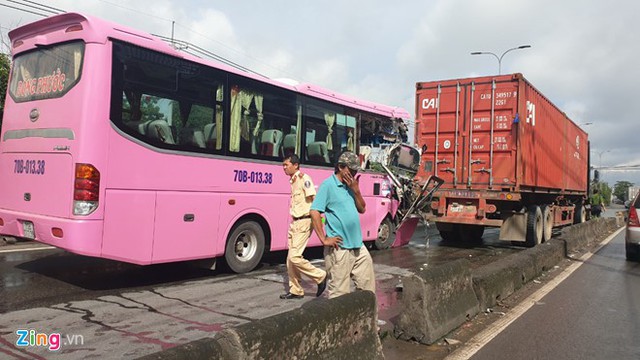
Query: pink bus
(116, 145)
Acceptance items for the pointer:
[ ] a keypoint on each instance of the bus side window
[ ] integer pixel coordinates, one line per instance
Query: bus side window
(194, 130)
(160, 130)
(260, 117)
(240, 102)
(210, 135)
(289, 145)
(317, 152)
(271, 141)
(321, 122)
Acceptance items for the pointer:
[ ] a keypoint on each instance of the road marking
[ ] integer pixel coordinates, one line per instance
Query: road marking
(27, 249)
(477, 342)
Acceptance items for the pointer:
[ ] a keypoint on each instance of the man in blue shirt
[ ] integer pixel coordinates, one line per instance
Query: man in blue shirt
(345, 255)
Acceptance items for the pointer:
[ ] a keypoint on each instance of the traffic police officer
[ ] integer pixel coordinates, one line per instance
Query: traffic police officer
(302, 195)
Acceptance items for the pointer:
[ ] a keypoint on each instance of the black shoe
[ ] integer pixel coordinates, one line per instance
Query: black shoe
(289, 296)
(321, 287)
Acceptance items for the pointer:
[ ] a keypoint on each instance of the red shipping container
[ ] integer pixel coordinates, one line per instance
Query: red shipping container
(498, 138)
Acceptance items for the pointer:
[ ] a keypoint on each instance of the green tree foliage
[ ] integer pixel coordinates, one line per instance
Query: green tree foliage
(5, 65)
(621, 189)
(141, 108)
(605, 190)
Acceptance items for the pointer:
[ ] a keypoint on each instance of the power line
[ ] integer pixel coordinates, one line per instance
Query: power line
(231, 48)
(134, 10)
(24, 10)
(30, 6)
(192, 49)
(45, 6)
(186, 47)
(618, 167)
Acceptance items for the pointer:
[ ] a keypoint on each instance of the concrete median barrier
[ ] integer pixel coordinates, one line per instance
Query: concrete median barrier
(435, 301)
(438, 300)
(496, 281)
(340, 328)
(580, 236)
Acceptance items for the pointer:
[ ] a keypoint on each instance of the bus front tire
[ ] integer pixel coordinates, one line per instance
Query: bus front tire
(385, 235)
(245, 247)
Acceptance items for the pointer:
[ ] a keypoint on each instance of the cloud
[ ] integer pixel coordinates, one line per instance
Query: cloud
(583, 54)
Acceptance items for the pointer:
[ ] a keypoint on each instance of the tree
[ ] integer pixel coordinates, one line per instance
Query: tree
(5, 65)
(621, 189)
(605, 191)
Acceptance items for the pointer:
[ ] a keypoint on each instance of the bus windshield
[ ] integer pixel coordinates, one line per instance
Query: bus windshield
(46, 72)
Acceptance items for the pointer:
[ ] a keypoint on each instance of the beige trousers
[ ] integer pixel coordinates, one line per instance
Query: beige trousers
(343, 265)
(298, 236)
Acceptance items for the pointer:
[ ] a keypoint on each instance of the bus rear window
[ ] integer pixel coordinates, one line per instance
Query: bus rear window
(46, 72)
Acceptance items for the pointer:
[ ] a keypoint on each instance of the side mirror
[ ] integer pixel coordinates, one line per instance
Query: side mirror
(424, 148)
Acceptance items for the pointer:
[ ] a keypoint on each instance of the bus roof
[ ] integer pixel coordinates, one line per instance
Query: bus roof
(68, 26)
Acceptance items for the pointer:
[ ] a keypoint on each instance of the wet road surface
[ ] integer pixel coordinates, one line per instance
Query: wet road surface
(127, 310)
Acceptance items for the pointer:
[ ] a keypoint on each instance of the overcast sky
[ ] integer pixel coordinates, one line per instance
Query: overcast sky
(583, 56)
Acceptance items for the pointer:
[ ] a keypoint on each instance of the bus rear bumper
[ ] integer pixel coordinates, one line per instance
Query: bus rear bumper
(77, 236)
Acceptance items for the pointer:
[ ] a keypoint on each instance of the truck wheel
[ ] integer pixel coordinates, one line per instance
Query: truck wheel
(534, 226)
(245, 247)
(471, 233)
(547, 217)
(448, 232)
(385, 235)
(580, 214)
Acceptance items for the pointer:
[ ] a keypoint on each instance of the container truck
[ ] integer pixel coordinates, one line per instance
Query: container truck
(508, 156)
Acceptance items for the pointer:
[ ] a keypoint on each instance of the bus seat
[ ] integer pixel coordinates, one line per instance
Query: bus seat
(142, 127)
(270, 143)
(317, 151)
(289, 145)
(159, 129)
(198, 138)
(365, 152)
(210, 135)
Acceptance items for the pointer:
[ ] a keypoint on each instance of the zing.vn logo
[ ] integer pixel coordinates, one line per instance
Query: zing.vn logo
(52, 341)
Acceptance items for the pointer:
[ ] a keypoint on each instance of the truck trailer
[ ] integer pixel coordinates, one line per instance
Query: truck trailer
(508, 156)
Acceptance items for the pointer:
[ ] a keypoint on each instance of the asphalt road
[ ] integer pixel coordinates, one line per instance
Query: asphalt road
(108, 308)
(593, 314)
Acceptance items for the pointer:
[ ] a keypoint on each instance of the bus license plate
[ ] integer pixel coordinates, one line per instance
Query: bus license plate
(27, 230)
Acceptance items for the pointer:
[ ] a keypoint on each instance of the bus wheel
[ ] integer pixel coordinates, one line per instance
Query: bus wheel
(245, 247)
(534, 226)
(385, 235)
(547, 217)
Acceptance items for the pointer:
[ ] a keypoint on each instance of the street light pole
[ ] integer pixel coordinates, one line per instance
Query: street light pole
(600, 156)
(499, 58)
